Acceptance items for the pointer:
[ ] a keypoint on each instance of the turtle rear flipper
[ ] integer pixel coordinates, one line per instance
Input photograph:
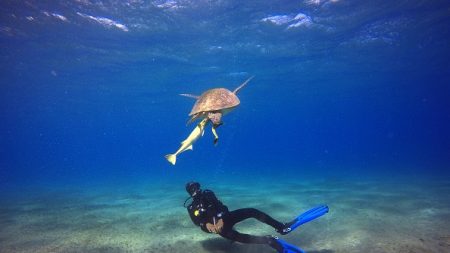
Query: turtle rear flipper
(194, 118)
(189, 96)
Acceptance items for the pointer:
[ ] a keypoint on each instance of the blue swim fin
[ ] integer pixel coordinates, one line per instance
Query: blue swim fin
(289, 248)
(305, 217)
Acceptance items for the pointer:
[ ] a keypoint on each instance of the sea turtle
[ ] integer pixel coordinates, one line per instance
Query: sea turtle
(214, 103)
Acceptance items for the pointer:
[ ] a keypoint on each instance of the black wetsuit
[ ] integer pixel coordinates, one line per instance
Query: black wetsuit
(206, 208)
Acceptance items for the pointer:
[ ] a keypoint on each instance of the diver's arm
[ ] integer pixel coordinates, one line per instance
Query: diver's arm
(215, 207)
(198, 221)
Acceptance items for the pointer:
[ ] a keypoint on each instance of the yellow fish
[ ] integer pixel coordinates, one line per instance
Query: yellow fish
(198, 131)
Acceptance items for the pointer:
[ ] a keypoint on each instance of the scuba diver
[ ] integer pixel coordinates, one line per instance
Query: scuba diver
(212, 216)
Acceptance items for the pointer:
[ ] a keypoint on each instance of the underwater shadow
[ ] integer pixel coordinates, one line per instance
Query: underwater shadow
(221, 245)
(321, 251)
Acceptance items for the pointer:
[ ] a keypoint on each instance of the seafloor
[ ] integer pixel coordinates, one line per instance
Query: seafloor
(369, 216)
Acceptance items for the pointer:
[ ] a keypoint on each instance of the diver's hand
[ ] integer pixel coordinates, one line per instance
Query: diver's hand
(216, 229)
(219, 226)
(211, 228)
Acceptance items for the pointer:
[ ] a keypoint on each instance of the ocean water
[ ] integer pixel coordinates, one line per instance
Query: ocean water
(349, 106)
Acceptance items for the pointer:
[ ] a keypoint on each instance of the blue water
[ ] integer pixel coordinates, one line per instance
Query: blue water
(344, 88)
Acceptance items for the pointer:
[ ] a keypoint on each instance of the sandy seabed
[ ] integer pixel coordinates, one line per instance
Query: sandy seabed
(370, 216)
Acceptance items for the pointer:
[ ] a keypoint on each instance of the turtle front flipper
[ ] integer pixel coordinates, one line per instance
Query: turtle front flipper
(216, 137)
(194, 118)
(242, 85)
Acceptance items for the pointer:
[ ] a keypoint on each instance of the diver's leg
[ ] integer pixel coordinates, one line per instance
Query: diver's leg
(246, 213)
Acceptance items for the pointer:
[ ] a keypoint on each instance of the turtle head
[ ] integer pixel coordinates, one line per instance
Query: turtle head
(216, 118)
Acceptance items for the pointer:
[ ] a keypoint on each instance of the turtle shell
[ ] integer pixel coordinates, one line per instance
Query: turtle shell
(215, 100)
